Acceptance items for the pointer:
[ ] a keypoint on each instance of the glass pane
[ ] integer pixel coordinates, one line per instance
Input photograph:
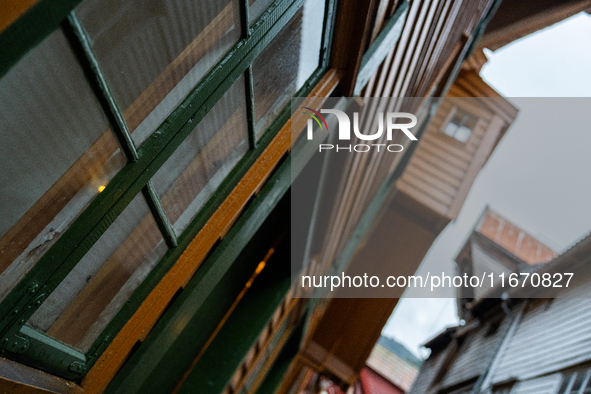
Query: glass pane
(56, 154)
(564, 385)
(578, 382)
(153, 52)
(95, 290)
(587, 383)
(463, 133)
(450, 129)
(287, 63)
(460, 125)
(256, 9)
(190, 176)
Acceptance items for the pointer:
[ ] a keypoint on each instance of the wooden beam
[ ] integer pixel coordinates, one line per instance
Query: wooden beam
(351, 35)
(498, 38)
(380, 48)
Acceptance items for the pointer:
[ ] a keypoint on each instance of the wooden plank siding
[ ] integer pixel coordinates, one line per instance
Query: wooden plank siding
(543, 385)
(474, 354)
(430, 46)
(428, 372)
(552, 336)
(427, 22)
(443, 169)
(441, 163)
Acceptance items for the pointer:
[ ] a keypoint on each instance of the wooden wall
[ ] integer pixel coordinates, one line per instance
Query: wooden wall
(443, 169)
(436, 171)
(552, 336)
(544, 385)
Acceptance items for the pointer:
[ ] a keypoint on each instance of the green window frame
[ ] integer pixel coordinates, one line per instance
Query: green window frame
(24, 344)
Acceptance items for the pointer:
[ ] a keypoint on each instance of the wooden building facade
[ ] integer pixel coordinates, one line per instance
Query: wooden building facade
(147, 160)
(530, 340)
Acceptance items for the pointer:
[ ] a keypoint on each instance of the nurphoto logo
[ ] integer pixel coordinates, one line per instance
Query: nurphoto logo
(393, 121)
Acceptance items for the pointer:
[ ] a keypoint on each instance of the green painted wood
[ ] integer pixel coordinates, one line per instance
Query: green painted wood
(224, 355)
(268, 352)
(243, 5)
(327, 36)
(94, 221)
(249, 80)
(185, 238)
(174, 343)
(134, 178)
(210, 293)
(160, 216)
(50, 355)
(82, 48)
(383, 44)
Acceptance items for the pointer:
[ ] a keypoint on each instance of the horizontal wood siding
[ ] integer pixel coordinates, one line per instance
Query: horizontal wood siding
(427, 373)
(544, 385)
(475, 355)
(549, 338)
(441, 162)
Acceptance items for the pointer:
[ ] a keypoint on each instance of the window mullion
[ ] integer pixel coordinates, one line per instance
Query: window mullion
(159, 215)
(329, 22)
(463, 121)
(250, 107)
(78, 40)
(244, 17)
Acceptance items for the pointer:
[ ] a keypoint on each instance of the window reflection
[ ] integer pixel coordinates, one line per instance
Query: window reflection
(56, 154)
(191, 175)
(154, 52)
(78, 310)
(287, 63)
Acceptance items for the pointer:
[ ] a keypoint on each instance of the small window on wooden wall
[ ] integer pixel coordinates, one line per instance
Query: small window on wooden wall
(460, 125)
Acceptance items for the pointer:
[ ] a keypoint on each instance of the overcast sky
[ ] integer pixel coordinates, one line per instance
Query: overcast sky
(539, 176)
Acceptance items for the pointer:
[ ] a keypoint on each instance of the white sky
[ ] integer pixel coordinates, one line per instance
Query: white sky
(538, 177)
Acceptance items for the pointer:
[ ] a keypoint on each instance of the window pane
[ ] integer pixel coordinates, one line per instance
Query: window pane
(578, 382)
(100, 284)
(256, 9)
(565, 383)
(56, 154)
(154, 52)
(190, 176)
(463, 133)
(450, 129)
(287, 63)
